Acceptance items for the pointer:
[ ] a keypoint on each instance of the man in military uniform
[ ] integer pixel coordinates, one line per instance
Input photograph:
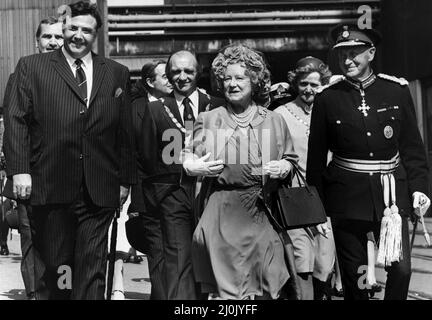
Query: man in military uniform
(379, 166)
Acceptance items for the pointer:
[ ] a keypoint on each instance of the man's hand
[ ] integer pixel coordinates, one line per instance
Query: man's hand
(323, 229)
(202, 167)
(420, 203)
(2, 174)
(277, 169)
(22, 186)
(124, 193)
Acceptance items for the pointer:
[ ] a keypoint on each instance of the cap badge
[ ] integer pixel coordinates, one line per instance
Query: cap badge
(345, 34)
(388, 132)
(280, 89)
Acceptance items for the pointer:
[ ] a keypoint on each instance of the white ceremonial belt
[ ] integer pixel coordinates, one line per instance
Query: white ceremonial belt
(367, 166)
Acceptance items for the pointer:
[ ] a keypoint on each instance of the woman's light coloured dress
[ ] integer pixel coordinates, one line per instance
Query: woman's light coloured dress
(236, 252)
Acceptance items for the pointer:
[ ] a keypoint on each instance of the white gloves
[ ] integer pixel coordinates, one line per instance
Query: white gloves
(202, 167)
(420, 203)
(277, 169)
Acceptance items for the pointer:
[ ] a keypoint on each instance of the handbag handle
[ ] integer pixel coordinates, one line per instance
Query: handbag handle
(299, 175)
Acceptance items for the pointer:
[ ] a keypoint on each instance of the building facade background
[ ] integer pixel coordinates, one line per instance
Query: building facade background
(136, 31)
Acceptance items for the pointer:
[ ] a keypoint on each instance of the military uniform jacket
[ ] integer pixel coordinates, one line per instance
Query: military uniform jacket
(390, 127)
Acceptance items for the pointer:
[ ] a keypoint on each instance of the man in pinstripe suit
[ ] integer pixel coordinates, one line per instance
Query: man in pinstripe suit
(49, 37)
(69, 149)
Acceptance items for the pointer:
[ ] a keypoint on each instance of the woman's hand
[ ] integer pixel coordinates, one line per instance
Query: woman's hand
(202, 167)
(323, 229)
(277, 169)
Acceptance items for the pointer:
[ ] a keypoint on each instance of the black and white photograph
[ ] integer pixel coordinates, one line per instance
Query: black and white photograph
(223, 156)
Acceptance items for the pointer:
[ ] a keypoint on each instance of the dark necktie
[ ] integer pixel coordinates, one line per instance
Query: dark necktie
(187, 112)
(81, 79)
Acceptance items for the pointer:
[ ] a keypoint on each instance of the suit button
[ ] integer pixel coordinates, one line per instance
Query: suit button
(371, 154)
(81, 156)
(82, 112)
(369, 134)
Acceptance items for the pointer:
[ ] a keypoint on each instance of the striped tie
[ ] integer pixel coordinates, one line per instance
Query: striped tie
(81, 79)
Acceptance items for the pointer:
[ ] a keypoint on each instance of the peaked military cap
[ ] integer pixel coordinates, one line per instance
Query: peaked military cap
(349, 35)
(280, 90)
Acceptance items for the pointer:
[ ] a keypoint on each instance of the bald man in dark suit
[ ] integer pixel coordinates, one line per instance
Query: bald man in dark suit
(166, 189)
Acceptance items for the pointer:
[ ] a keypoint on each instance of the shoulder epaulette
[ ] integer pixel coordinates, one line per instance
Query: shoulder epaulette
(337, 80)
(401, 81)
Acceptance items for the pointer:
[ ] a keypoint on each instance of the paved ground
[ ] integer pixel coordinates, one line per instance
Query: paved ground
(137, 283)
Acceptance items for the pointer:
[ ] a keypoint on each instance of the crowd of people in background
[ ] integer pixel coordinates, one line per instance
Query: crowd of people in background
(81, 141)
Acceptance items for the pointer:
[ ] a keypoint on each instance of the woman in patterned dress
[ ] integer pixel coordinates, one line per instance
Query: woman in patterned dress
(238, 149)
(314, 251)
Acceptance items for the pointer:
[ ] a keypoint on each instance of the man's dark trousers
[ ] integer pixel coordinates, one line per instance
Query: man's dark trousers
(28, 267)
(79, 244)
(177, 230)
(351, 246)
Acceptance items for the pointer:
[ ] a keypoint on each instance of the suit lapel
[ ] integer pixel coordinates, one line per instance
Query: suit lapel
(172, 105)
(142, 108)
(98, 75)
(63, 69)
(203, 102)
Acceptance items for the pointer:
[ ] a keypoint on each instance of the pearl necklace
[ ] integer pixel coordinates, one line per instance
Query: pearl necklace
(243, 119)
(300, 120)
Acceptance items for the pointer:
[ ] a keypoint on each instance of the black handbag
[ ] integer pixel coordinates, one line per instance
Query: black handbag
(298, 207)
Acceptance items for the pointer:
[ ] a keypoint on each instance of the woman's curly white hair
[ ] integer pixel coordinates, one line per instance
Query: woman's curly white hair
(255, 65)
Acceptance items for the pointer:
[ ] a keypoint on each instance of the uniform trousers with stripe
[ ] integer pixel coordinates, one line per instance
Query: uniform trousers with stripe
(351, 246)
(72, 239)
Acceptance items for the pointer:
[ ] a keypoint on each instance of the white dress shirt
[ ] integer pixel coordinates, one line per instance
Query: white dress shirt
(151, 98)
(193, 97)
(87, 66)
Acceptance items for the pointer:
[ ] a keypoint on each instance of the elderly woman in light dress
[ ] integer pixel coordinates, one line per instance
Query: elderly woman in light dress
(239, 148)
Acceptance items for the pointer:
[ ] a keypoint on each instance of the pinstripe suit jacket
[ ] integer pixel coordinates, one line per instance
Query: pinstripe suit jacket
(7, 191)
(51, 134)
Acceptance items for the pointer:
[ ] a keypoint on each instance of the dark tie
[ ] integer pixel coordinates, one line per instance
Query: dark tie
(81, 79)
(187, 112)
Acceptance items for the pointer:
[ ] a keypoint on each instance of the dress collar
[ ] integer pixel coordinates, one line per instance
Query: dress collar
(305, 108)
(260, 115)
(362, 84)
